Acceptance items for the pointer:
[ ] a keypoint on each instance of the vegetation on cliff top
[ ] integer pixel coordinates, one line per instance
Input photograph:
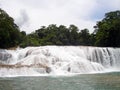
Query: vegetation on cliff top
(106, 33)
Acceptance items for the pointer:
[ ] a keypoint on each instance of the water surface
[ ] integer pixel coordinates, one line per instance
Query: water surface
(109, 81)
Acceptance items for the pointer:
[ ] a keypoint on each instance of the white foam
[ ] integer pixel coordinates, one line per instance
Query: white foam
(60, 60)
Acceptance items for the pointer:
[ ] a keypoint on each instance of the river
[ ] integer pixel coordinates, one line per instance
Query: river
(103, 81)
(60, 68)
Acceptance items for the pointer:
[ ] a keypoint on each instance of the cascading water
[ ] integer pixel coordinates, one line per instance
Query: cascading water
(52, 60)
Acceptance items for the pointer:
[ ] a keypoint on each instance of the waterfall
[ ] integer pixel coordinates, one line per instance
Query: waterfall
(58, 60)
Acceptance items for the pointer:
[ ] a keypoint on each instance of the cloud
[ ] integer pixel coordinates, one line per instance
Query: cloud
(23, 19)
(32, 14)
(104, 6)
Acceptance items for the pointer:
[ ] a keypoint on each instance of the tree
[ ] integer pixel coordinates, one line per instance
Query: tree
(73, 34)
(9, 31)
(108, 30)
(85, 38)
(63, 35)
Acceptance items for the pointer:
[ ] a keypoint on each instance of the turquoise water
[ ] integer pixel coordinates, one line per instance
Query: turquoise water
(108, 81)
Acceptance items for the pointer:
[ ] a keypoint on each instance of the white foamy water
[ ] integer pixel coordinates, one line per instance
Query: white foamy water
(58, 60)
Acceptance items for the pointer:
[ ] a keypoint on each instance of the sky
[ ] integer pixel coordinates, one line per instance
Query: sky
(30, 15)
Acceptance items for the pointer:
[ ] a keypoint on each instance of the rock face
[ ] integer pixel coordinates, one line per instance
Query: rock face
(4, 56)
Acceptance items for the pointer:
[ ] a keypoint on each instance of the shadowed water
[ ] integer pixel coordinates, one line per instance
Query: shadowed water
(108, 81)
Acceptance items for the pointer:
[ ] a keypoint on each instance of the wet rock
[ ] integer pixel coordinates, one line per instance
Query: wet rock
(48, 70)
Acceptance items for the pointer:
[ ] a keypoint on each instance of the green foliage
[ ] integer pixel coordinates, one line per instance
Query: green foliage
(29, 40)
(85, 38)
(108, 30)
(107, 33)
(58, 35)
(9, 31)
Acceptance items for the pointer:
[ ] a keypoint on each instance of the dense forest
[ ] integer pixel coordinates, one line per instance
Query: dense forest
(106, 33)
